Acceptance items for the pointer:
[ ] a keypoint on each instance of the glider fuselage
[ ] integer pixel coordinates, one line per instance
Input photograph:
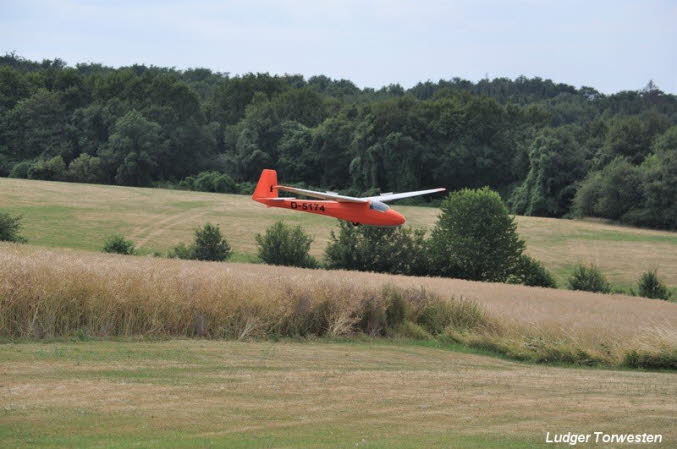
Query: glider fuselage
(362, 213)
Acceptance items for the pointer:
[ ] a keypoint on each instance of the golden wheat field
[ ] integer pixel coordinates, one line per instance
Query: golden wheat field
(58, 292)
(82, 215)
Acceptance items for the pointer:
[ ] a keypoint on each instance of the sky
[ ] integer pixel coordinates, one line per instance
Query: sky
(609, 45)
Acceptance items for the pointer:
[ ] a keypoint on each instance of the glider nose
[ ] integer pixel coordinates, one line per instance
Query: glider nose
(398, 218)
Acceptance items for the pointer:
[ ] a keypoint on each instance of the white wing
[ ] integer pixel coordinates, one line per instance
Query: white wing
(323, 195)
(398, 196)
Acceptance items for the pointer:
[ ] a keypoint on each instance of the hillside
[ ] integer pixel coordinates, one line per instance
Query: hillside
(80, 216)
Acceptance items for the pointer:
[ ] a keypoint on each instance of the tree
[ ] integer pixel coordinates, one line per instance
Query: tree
(610, 193)
(285, 245)
(556, 163)
(660, 184)
(632, 136)
(133, 150)
(10, 226)
(475, 237)
(35, 127)
(397, 250)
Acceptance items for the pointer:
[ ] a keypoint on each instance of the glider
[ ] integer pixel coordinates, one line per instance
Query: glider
(367, 211)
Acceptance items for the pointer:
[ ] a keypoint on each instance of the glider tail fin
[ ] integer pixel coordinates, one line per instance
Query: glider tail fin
(266, 187)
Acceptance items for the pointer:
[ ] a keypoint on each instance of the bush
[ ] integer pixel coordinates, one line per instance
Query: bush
(475, 237)
(386, 250)
(589, 278)
(50, 170)
(181, 251)
(661, 358)
(9, 228)
(610, 193)
(86, 168)
(458, 313)
(210, 181)
(246, 188)
(650, 286)
(531, 272)
(119, 245)
(285, 245)
(209, 244)
(20, 170)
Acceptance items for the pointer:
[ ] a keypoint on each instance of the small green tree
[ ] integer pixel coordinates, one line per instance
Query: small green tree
(209, 244)
(285, 245)
(119, 245)
(397, 250)
(475, 237)
(650, 286)
(589, 278)
(10, 226)
(531, 272)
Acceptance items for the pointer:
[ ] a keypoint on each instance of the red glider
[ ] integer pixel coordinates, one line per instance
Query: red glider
(367, 211)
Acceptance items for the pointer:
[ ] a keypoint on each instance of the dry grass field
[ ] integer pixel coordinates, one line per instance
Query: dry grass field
(82, 215)
(200, 393)
(48, 293)
(113, 369)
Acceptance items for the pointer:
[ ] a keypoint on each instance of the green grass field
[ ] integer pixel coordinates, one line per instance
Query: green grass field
(81, 216)
(365, 394)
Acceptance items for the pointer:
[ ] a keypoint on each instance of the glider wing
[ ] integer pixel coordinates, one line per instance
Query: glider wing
(323, 195)
(398, 196)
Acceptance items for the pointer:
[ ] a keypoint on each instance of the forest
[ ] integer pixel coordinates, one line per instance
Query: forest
(549, 149)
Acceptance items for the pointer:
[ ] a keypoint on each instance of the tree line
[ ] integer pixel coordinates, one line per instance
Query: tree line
(549, 149)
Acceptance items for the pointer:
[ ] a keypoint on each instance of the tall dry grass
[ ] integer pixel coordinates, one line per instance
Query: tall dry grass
(50, 293)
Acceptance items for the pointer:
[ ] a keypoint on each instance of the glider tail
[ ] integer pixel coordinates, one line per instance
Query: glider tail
(266, 187)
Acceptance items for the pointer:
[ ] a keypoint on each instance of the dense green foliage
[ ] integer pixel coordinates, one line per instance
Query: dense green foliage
(651, 286)
(397, 250)
(284, 244)
(589, 278)
(643, 194)
(475, 237)
(530, 139)
(119, 245)
(211, 181)
(209, 244)
(10, 226)
(530, 271)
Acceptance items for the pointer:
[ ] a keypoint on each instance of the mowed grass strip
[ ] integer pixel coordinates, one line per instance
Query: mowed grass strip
(194, 394)
(82, 215)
